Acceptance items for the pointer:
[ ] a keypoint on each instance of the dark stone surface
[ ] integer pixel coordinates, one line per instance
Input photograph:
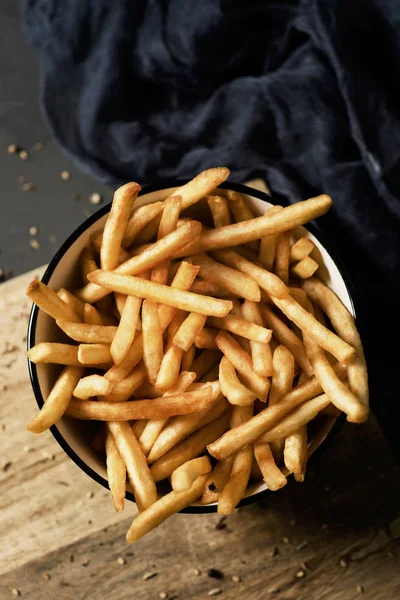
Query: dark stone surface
(52, 207)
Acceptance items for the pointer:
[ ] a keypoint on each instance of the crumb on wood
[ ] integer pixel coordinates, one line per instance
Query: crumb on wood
(149, 575)
(214, 592)
(95, 198)
(12, 149)
(28, 187)
(34, 244)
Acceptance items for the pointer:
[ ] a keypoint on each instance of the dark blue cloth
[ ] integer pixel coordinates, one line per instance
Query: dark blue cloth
(305, 94)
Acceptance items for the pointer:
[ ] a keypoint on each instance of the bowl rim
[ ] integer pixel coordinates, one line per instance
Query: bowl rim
(147, 189)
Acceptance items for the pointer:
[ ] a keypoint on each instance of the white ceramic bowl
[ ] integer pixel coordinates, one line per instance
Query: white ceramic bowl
(73, 436)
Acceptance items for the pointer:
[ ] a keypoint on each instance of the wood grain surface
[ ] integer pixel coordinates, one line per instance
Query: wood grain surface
(334, 537)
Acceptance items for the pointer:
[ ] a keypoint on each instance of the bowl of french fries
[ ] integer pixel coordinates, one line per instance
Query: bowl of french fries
(191, 347)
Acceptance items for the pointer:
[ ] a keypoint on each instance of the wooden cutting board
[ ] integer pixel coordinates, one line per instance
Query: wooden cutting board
(336, 536)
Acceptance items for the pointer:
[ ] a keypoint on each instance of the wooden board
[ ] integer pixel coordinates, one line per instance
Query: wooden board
(55, 520)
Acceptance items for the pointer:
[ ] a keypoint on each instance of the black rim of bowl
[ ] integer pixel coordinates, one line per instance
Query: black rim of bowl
(312, 227)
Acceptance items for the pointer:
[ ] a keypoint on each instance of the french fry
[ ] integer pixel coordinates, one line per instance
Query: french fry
(287, 338)
(116, 472)
(154, 427)
(189, 330)
(235, 488)
(169, 369)
(305, 268)
(242, 327)
(266, 280)
(87, 333)
(237, 204)
(261, 353)
(243, 364)
(97, 240)
(179, 404)
(92, 385)
(162, 509)
(295, 453)
(134, 355)
(344, 325)
(74, 303)
(209, 288)
(149, 233)
(206, 338)
(184, 476)
(190, 448)
(92, 354)
(296, 419)
(124, 337)
(234, 391)
(91, 315)
(240, 233)
(143, 485)
(120, 300)
(138, 427)
(282, 256)
(152, 339)
(123, 390)
(216, 481)
(57, 401)
(148, 258)
(301, 249)
(163, 294)
(338, 393)
(180, 427)
(114, 229)
(220, 211)
(183, 279)
(141, 217)
(233, 280)
(340, 349)
(281, 384)
(188, 358)
(87, 263)
(201, 185)
(48, 301)
(272, 475)
(50, 352)
(267, 249)
(241, 211)
(283, 374)
(249, 432)
(168, 223)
